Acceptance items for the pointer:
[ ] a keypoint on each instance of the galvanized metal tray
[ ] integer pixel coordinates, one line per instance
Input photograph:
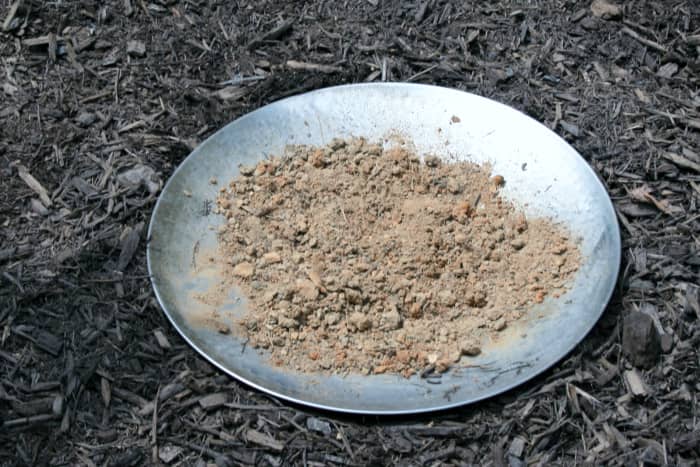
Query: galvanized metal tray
(544, 175)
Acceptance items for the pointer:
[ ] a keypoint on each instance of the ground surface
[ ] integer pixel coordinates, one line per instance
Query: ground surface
(92, 374)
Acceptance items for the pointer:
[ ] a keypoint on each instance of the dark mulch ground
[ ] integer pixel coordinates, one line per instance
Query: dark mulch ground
(84, 377)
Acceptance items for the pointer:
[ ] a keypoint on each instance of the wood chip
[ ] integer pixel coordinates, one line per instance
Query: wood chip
(128, 8)
(14, 252)
(635, 383)
(261, 439)
(682, 161)
(43, 40)
(167, 391)
(7, 24)
(649, 43)
(136, 48)
(129, 396)
(105, 391)
(422, 11)
(168, 454)
(34, 184)
(58, 405)
(231, 93)
(579, 15)
(296, 65)
(517, 447)
(162, 340)
(213, 401)
(33, 407)
(640, 339)
(43, 339)
(129, 246)
(7, 424)
(52, 47)
(321, 426)
(570, 128)
(667, 70)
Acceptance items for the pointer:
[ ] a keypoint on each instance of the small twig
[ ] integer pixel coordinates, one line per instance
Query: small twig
(692, 123)
(116, 85)
(145, 8)
(132, 126)
(154, 427)
(695, 186)
(295, 65)
(96, 97)
(223, 31)
(273, 34)
(234, 405)
(28, 420)
(15, 252)
(203, 46)
(682, 161)
(476, 200)
(344, 439)
(342, 211)
(654, 45)
(649, 43)
(52, 47)
(638, 26)
(625, 222)
(46, 40)
(9, 357)
(332, 35)
(10, 278)
(117, 279)
(421, 73)
(34, 184)
(241, 79)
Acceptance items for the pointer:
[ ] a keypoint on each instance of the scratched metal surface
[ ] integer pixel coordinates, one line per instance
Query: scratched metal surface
(544, 174)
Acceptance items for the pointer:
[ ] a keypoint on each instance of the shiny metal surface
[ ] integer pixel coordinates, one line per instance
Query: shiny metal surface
(543, 173)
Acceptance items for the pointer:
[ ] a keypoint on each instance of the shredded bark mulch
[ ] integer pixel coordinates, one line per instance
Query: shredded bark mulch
(100, 101)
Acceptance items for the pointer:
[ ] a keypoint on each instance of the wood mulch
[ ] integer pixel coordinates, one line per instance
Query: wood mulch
(99, 103)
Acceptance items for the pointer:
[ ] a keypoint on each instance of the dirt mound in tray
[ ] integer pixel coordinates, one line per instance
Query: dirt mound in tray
(364, 259)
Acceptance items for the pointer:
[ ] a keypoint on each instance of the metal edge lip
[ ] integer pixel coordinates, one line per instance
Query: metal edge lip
(436, 408)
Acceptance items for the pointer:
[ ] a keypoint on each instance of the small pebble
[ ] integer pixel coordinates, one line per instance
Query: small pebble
(499, 324)
(244, 270)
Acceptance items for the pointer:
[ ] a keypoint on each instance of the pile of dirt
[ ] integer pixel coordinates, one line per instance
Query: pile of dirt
(360, 258)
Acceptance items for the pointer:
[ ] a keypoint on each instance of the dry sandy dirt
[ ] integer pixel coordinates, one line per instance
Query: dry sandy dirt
(359, 258)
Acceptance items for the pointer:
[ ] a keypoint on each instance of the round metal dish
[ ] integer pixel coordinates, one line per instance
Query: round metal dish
(544, 175)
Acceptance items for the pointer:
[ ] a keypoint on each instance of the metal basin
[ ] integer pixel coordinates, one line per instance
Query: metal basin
(544, 175)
